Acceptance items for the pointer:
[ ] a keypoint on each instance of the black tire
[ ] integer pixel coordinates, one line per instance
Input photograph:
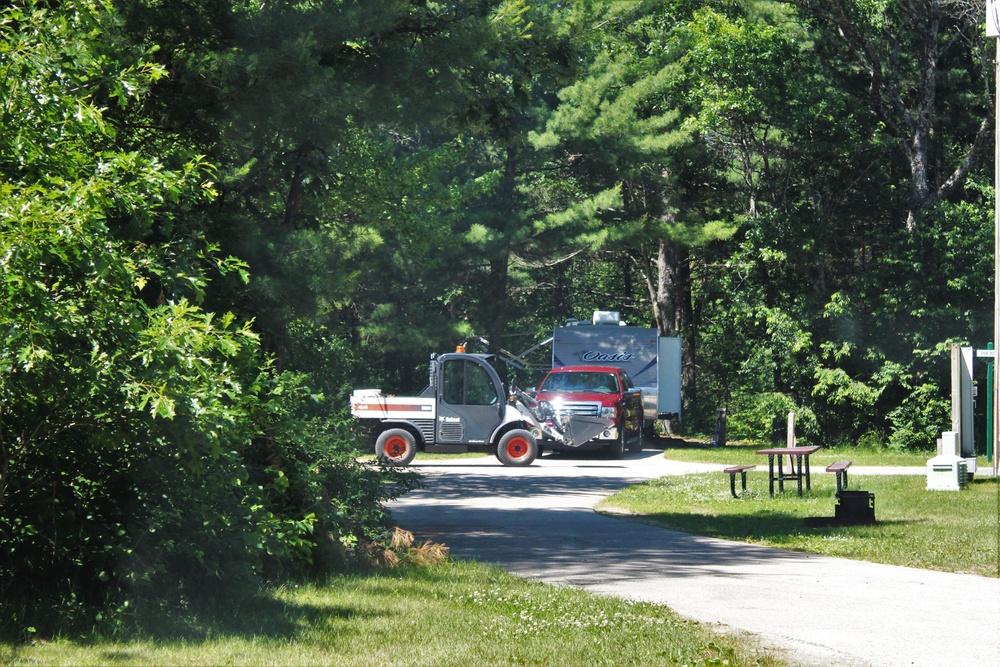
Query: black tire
(517, 448)
(396, 446)
(636, 443)
(616, 450)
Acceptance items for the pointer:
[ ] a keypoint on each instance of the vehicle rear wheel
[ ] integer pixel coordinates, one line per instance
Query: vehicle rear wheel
(517, 448)
(397, 446)
(635, 445)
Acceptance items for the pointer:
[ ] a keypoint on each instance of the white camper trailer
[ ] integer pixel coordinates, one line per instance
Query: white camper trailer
(653, 362)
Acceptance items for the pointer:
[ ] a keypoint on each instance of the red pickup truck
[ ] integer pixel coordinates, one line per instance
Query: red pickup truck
(596, 391)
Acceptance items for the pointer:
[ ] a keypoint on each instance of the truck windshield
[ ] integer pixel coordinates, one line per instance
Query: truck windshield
(593, 382)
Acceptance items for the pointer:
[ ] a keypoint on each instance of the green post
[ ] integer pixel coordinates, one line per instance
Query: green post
(989, 406)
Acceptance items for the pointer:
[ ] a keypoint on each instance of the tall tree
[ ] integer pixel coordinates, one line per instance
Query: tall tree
(90, 373)
(146, 444)
(658, 130)
(925, 71)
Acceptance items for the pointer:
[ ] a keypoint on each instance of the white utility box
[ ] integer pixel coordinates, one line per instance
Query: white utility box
(947, 471)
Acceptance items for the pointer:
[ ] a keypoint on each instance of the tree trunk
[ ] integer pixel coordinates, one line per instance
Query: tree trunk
(684, 325)
(665, 296)
(670, 294)
(499, 271)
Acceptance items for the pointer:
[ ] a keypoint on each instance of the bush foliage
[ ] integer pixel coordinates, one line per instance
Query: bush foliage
(146, 446)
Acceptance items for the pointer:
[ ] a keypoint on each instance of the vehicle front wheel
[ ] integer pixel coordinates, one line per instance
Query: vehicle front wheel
(397, 446)
(616, 450)
(517, 448)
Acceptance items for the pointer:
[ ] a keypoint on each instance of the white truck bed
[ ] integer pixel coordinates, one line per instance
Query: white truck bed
(372, 404)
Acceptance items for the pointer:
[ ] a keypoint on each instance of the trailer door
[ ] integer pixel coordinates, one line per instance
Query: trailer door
(470, 406)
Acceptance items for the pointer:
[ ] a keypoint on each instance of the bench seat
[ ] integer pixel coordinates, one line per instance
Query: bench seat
(840, 469)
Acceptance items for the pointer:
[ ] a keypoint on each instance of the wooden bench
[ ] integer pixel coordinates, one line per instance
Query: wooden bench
(840, 469)
(742, 470)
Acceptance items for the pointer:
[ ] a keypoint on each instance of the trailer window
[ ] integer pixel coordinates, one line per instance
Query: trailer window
(467, 383)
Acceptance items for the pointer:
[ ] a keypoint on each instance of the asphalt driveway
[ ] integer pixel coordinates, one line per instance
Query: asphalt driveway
(538, 522)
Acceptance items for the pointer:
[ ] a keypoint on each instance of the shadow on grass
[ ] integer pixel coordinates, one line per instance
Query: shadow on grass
(276, 616)
(285, 614)
(773, 527)
(259, 616)
(221, 612)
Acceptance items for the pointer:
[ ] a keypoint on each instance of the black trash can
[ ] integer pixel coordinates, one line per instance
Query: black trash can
(855, 507)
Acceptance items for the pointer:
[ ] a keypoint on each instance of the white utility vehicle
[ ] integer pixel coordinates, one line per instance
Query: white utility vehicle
(465, 408)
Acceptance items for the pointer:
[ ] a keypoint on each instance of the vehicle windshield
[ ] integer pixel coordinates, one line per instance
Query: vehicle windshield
(584, 381)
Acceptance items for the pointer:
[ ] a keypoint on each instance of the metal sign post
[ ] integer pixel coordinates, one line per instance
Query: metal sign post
(990, 355)
(993, 30)
(989, 405)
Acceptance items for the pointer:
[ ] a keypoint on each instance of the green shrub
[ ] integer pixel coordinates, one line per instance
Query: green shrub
(918, 422)
(147, 446)
(763, 418)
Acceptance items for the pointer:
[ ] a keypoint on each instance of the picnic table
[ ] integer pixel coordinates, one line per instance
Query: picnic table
(799, 466)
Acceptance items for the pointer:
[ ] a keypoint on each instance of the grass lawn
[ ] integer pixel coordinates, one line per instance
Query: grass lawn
(468, 614)
(955, 531)
(456, 614)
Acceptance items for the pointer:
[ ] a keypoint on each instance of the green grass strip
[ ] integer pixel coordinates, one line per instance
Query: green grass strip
(953, 531)
(458, 614)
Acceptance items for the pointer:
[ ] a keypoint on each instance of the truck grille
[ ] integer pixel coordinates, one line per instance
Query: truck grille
(587, 409)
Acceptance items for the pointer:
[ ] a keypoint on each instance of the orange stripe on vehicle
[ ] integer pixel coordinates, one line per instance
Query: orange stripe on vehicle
(391, 407)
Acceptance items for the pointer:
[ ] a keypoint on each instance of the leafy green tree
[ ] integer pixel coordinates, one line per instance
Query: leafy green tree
(145, 443)
(75, 403)
(924, 70)
(790, 145)
(337, 128)
(721, 132)
(674, 115)
(868, 301)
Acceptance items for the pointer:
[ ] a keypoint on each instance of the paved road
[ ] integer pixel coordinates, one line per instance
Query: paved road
(538, 522)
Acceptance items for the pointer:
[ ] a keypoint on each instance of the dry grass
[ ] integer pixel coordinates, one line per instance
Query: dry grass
(397, 550)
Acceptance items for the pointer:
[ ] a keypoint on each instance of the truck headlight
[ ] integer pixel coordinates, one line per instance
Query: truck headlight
(607, 413)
